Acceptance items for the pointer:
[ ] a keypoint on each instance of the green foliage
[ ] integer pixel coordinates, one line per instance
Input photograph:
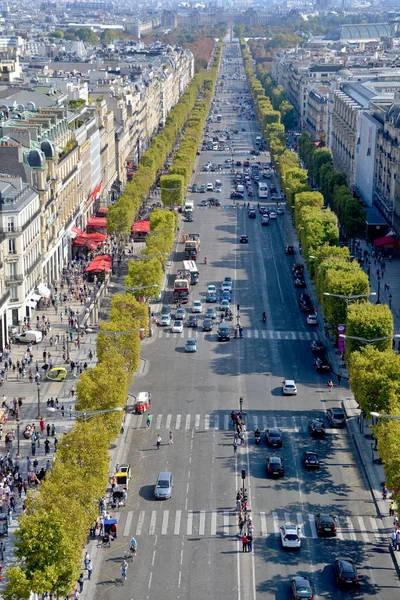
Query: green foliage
(143, 274)
(370, 322)
(346, 281)
(388, 438)
(107, 37)
(172, 190)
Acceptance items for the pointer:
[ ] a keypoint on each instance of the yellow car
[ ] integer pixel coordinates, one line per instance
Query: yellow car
(57, 374)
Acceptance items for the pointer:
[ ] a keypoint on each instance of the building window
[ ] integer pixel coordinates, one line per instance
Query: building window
(11, 246)
(13, 270)
(10, 224)
(14, 293)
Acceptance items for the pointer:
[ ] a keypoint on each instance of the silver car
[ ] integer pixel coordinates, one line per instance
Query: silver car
(164, 485)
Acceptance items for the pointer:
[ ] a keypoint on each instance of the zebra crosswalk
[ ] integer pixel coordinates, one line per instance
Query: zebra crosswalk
(255, 334)
(217, 523)
(221, 422)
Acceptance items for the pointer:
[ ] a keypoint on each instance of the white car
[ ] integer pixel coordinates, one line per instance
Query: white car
(197, 306)
(289, 387)
(218, 189)
(164, 320)
(312, 319)
(177, 327)
(226, 288)
(272, 215)
(224, 304)
(210, 187)
(280, 211)
(290, 536)
(211, 289)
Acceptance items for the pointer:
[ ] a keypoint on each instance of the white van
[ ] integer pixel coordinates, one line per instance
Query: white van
(29, 337)
(240, 188)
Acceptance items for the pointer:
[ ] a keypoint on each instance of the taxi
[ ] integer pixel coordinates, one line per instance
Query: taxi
(142, 402)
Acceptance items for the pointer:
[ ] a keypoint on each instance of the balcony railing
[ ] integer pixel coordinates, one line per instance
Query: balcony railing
(14, 278)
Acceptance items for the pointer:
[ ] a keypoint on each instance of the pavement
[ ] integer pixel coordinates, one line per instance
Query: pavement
(188, 545)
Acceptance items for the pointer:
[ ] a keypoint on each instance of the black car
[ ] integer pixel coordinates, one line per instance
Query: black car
(289, 249)
(322, 365)
(336, 417)
(317, 347)
(298, 273)
(195, 188)
(166, 310)
(252, 214)
(299, 282)
(192, 321)
(244, 239)
(310, 460)
(207, 324)
(317, 428)
(238, 163)
(236, 196)
(297, 267)
(273, 437)
(300, 587)
(345, 572)
(326, 524)
(272, 189)
(253, 152)
(275, 467)
(189, 218)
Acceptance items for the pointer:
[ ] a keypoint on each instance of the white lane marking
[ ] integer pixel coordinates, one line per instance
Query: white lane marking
(375, 529)
(351, 529)
(164, 527)
(187, 423)
(207, 422)
(226, 422)
(128, 523)
(152, 528)
(216, 422)
(264, 422)
(263, 334)
(197, 422)
(177, 525)
(256, 333)
(248, 333)
(202, 523)
(189, 525)
(140, 522)
(363, 530)
(213, 522)
(300, 524)
(311, 520)
(158, 421)
(168, 422)
(278, 335)
(178, 421)
(263, 521)
(287, 517)
(276, 523)
(339, 530)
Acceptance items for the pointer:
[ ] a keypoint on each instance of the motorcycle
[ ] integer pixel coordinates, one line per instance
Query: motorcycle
(264, 318)
(257, 437)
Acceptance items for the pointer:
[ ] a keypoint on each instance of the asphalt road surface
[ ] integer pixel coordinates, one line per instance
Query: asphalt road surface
(188, 546)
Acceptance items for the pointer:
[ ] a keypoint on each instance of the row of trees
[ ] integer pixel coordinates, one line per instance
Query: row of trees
(54, 528)
(373, 366)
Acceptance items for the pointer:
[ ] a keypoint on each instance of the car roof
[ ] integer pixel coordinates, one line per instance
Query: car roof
(164, 475)
(337, 409)
(274, 431)
(275, 459)
(289, 382)
(191, 340)
(290, 527)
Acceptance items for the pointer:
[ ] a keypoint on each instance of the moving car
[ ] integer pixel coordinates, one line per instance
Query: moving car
(289, 249)
(272, 215)
(180, 314)
(336, 417)
(177, 327)
(289, 387)
(317, 428)
(197, 306)
(264, 220)
(192, 321)
(290, 536)
(204, 202)
(224, 304)
(164, 320)
(299, 282)
(280, 211)
(228, 281)
(252, 214)
(226, 295)
(322, 365)
(207, 324)
(56, 374)
(191, 345)
(273, 437)
(244, 239)
(224, 332)
(310, 460)
(203, 188)
(211, 312)
(326, 524)
(210, 187)
(317, 347)
(275, 467)
(345, 572)
(312, 319)
(164, 485)
(300, 587)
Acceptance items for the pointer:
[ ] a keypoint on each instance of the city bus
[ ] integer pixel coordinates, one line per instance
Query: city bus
(262, 189)
(190, 265)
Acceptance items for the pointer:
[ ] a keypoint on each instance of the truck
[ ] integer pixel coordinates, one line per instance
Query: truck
(182, 287)
(192, 246)
(188, 207)
(258, 140)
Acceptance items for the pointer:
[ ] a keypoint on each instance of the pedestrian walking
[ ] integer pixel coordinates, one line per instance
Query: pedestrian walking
(393, 537)
(171, 438)
(249, 542)
(41, 424)
(398, 539)
(244, 543)
(48, 429)
(391, 509)
(235, 447)
(384, 492)
(86, 559)
(89, 569)
(124, 569)
(80, 582)
(330, 385)
(158, 442)
(339, 378)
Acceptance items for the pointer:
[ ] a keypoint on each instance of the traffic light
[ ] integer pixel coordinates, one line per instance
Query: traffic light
(238, 307)
(243, 474)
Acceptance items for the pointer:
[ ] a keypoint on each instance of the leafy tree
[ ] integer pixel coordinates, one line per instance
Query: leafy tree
(126, 345)
(172, 190)
(345, 283)
(287, 114)
(87, 36)
(58, 33)
(370, 322)
(143, 274)
(388, 439)
(108, 36)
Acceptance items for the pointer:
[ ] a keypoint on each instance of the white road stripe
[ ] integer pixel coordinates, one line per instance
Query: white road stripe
(255, 422)
(168, 422)
(213, 523)
(207, 422)
(363, 530)
(271, 334)
(226, 422)
(189, 525)
(248, 333)
(178, 421)
(263, 521)
(278, 335)
(158, 421)
(263, 334)
(202, 523)
(140, 522)
(164, 527)
(339, 530)
(287, 517)
(350, 529)
(273, 422)
(177, 525)
(300, 524)
(311, 520)
(152, 528)
(197, 422)
(187, 423)
(264, 422)
(308, 335)
(256, 334)
(167, 335)
(128, 523)
(315, 335)
(375, 529)
(276, 523)
(216, 422)
(293, 335)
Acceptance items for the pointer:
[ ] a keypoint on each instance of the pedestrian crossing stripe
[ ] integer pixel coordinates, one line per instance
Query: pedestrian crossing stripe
(264, 334)
(222, 422)
(216, 523)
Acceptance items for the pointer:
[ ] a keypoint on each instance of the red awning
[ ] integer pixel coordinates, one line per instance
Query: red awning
(76, 230)
(388, 240)
(141, 226)
(97, 223)
(90, 240)
(102, 211)
(100, 264)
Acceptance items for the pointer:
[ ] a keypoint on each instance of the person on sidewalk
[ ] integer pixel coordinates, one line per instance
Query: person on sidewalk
(86, 559)
(89, 569)
(249, 542)
(244, 543)
(384, 492)
(393, 537)
(41, 424)
(391, 509)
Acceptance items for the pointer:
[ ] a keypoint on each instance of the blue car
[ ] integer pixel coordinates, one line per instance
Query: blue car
(226, 296)
(211, 298)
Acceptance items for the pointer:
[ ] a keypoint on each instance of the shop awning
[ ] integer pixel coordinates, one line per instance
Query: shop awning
(102, 211)
(141, 226)
(44, 290)
(100, 264)
(97, 223)
(388, 240)
(90, 240)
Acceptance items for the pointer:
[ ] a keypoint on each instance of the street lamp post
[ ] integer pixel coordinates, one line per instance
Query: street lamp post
(379, 290)
(390, 301)
(367, 341)
(351, 297)
(38, 400)
(85, 415)
(18, 439)
(384, 416)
